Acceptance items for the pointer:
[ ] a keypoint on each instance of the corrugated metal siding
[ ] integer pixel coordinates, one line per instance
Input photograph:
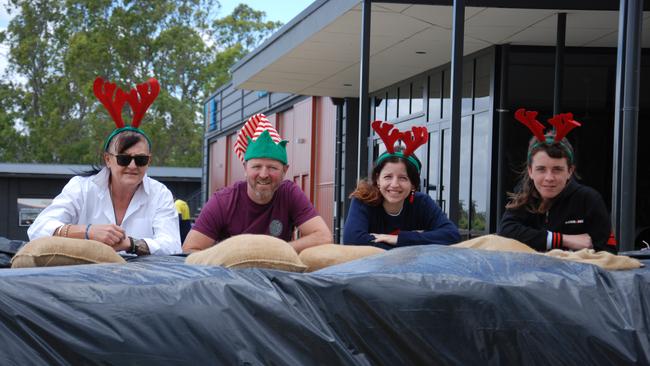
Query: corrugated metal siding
(324, 155)
(278, 97)
(296, 126)
(235, 166)
(218, 164)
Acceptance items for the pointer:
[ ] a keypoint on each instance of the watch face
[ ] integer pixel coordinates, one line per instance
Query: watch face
(141, 247)
(275, 228)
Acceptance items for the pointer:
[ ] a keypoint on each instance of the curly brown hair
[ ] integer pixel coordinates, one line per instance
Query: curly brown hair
(528, 197)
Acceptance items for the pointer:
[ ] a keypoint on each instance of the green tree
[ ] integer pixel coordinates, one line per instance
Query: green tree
(236, 35)
(11, 141)
(245, 27)
(57, 48)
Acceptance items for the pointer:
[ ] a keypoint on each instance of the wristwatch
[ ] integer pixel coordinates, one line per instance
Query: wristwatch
(139, 247)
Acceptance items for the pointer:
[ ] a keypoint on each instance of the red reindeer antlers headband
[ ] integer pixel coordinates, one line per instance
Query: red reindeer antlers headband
(113, 99)
(413, 139)
(147, 92)
(562, 122)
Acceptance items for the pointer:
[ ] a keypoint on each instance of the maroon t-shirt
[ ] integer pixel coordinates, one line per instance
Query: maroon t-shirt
(231, 212)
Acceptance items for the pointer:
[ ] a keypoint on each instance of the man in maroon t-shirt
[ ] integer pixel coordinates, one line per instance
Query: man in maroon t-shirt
(263, 204)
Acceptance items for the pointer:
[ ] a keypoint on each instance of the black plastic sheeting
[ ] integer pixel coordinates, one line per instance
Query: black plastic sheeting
(8, 248)
(425, 305)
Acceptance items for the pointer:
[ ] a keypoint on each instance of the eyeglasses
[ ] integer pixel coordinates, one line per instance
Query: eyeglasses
(125, 159)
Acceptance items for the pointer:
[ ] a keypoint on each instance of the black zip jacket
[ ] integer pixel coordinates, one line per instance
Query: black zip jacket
(578, 209)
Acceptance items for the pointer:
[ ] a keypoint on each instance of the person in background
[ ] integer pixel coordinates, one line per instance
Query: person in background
(387, 210)
(264, 203)
(550, 210)
(184, 222)
(118, 205)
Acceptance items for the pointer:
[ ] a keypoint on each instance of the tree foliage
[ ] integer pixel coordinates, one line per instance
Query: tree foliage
(48, 112)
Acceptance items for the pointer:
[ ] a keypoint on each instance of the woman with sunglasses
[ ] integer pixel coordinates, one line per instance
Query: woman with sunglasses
(118, 205)
(387, 211)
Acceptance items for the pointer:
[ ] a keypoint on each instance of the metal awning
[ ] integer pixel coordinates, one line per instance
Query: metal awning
(317, 53)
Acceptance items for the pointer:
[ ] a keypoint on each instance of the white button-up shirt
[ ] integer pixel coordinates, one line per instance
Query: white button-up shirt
(151, 214)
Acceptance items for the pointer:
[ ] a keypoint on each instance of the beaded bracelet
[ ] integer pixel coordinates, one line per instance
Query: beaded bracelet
(57, 232)
(86, 236)
(67, 229)
(132, 251)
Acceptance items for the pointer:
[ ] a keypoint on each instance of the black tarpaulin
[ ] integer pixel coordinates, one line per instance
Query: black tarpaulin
(415, 305)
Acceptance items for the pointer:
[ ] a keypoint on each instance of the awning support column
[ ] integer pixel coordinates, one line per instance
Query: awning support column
(457, 34)
(364, 100)
(628, 69)
(559, 63)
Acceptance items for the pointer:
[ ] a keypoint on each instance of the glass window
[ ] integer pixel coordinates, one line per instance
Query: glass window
(417, 93)
(468, 76)
(403, 107)
(214, 119)
(483, 76)
(435, 91)
(465, 172)
(480, 173)
(446, 169)
(380, 107)
(433, 174)
(29, 208)
(391, 105)
(446, 94)
(206, 116)
(379, 148)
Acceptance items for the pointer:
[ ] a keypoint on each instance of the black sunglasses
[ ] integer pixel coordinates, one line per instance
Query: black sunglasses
(125, 159)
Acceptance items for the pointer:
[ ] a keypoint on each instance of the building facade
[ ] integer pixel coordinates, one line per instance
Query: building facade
(509, 62)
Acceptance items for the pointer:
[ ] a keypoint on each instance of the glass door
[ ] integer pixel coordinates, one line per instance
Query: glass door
(439, 165)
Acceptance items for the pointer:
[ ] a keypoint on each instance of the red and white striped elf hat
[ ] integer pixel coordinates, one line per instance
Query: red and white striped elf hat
(253, 128)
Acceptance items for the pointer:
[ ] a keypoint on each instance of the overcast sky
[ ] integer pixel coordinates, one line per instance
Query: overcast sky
(4, 19)
(282, 10)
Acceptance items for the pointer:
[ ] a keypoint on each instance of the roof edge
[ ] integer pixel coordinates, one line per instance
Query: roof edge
(300, 28)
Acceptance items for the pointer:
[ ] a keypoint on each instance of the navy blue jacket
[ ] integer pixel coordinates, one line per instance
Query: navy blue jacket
(421, 215)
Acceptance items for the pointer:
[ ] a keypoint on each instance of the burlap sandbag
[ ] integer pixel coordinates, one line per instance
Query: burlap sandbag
(496, 243)
(54, 251)
(326, 255)
(250, 251)
(602, 259)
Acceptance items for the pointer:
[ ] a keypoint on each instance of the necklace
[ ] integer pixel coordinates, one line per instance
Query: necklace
(395, 214)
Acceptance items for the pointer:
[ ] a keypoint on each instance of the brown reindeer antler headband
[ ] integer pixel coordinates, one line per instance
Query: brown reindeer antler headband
(562, 122)
(113, 99)
(413, 139)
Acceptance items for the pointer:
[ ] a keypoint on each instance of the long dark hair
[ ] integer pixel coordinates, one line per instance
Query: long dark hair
(367, 190)
(119, 144)
(527, 196)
